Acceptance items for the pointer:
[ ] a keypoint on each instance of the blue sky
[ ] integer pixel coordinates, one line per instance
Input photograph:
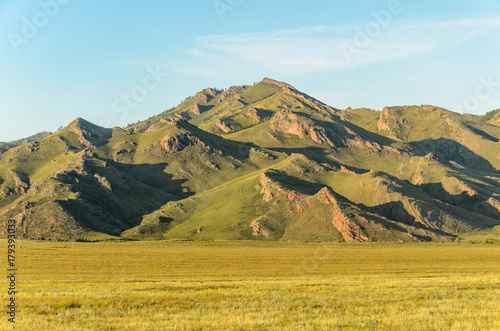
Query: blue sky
(118, 61)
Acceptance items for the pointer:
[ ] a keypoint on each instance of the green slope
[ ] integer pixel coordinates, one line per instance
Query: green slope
(261, 162)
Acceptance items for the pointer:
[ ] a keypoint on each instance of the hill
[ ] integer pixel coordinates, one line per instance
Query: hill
(5, 146)
(260, 162)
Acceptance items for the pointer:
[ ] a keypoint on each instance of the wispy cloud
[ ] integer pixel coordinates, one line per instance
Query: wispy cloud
(481, 22)
(318, 49)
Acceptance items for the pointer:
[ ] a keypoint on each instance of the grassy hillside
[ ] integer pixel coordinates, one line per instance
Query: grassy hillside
(262, 162)
(7, 145)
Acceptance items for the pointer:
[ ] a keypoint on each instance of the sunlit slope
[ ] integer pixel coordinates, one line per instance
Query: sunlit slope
(263, 162)
(87, 179)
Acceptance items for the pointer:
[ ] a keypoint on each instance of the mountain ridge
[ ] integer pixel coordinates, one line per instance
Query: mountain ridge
(261, 162)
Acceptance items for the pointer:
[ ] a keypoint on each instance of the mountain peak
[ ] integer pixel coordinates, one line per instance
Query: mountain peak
(80, 122)
(277, 83)
(91, 135)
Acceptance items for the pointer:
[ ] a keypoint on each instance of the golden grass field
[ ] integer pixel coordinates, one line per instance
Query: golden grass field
(182, 285)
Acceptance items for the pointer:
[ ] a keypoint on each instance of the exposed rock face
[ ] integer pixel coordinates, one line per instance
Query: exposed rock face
(347, 227)
(288, 122)
(91, 135)
(431, 157)
(262, 153)
(342, 221)
(326, 196)
(260, 229)
(353, 226)
(256, 115)
(211, 165)
(238, 102)
(272, 188)
(205, 95)
(269, 184)
(347, 171)
(22, 181)
(195, 109)
(392, 122)
(265, 182)
(179, 142)
(5, 192)
(277, 83)
(496, 120)
(471, 192)
(104, 182)
(366, 145)
(224, 126)
(231, 91)
(33, 147)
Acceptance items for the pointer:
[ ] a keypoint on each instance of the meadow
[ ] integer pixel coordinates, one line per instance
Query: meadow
(229, 285)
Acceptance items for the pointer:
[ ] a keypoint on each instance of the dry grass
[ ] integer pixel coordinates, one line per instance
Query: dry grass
(257, 286)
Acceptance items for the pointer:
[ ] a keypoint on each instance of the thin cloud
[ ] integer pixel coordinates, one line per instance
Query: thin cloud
(484, 22)
(319, 49)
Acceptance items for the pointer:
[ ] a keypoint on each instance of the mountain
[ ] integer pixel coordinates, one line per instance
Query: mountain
(260, 162)
(38, 136)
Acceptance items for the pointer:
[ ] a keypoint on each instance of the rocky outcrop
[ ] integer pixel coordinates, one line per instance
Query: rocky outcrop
(265, 183)
(32, 147)
(355, 224)
(496, 120)
(301, 126)
(103, 181)
(21, 180)
(224, 126)
(470, 191)
(261, 153)
(195, 109)
(90, 135)
(349, 229)
(271, 188)
(211, 165)
(254, 114)
(392, 121)
(178, 142)
(342, 221)
(238, 102)
(204, 96)
(346, 171)
(260, 228)
(277, 83)
(231, 91)
(326, 196)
